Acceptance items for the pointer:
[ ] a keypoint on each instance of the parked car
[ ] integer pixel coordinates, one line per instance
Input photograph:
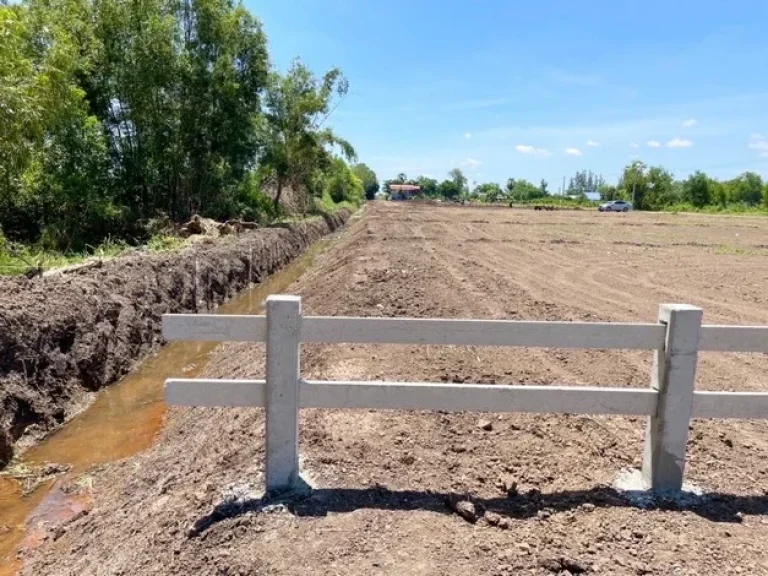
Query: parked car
(615, 206)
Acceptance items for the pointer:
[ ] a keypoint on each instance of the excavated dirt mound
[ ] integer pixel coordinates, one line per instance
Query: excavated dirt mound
(429, 493)
(64, 336)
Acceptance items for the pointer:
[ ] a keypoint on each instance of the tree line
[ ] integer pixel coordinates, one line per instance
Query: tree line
(647, 187)
(655, 188)
(116, 114)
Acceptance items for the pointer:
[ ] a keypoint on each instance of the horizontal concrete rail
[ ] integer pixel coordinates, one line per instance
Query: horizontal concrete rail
(422, 396)
(733, 339)
(482, 333)
(209, 327)
(215, 393)
(463, 397)
(215, 328)
(639, 336)
(478, 397)
(746, 405)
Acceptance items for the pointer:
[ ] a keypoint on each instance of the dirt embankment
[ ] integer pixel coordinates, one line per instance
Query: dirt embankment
(65, 336)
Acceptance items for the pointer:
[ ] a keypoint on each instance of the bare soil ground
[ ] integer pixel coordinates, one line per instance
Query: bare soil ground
(388, 481)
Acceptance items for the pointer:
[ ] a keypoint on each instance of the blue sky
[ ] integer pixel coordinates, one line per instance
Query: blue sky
(539, 89)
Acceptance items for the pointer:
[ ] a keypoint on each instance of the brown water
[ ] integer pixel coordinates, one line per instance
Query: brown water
(123, 420)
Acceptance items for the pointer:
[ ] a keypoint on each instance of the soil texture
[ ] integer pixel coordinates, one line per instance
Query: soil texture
(426, 493)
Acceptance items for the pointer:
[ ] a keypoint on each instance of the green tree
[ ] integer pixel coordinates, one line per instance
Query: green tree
(342, 185)
(295, 143)
(634, 183)
(719, 193)
(429, 186)
(53, 161)
(459, 181)
(489, 192)
(659, 192)
(697, 190)
(608, 192)
(449, 190)
(747, 188)
(368, 178)
(522, 190)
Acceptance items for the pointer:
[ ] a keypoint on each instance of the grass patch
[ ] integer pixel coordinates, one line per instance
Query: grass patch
(326, 204)
(17, 259)
(737, 209)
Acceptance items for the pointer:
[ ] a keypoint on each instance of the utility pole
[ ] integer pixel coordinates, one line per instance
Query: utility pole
(563, 188)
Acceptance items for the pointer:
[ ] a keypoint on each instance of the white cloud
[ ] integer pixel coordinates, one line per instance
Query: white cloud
(634, 145)
(468, 135)
(573, 152)
(471, 163)
(654, 144)
(690, 123)
(679, 143)
(533, 151)
(759, 143)
(593, 144)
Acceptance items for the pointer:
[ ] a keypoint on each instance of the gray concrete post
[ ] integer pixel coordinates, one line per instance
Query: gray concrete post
(282, 392)
(674, 374)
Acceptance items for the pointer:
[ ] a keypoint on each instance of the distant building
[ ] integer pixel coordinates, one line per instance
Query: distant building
(404, 191)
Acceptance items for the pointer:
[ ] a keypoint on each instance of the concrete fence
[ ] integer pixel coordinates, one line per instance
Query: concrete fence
(669, 402)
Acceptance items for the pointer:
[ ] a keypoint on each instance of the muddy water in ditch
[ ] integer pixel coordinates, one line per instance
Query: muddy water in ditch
(123, 420)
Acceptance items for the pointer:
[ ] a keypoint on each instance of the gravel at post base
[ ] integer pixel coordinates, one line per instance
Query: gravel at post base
(65, 336)
(392, 485)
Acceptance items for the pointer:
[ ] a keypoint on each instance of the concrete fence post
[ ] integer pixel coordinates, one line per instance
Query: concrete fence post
(282, 392)
(674, 374)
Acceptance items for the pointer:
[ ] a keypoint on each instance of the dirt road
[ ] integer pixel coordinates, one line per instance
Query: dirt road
(540, 485)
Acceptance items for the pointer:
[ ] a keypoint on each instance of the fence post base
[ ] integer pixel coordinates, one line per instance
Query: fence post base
(282, 393)
(674, 373)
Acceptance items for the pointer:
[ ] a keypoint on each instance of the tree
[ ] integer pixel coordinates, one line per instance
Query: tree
(634, 183)
(449, 190)
(429, 186)
(659, 192)
(489, 192)
(697, 190)
(368, 178)
(342, 185)
(295, 144)
(608, 192)
(747, 188)
(543, 187)
(522, 190)
(459, 180)
(719, 193)
(583, 182)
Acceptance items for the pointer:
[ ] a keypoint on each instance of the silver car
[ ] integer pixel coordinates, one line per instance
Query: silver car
(615, 206)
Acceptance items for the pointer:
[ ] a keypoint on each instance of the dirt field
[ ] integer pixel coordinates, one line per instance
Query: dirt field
(540, 485)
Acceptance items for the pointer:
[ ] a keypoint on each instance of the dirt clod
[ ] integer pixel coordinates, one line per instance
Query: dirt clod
(559, 564)
(466, 510)
(492, 518)
(486, 425)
